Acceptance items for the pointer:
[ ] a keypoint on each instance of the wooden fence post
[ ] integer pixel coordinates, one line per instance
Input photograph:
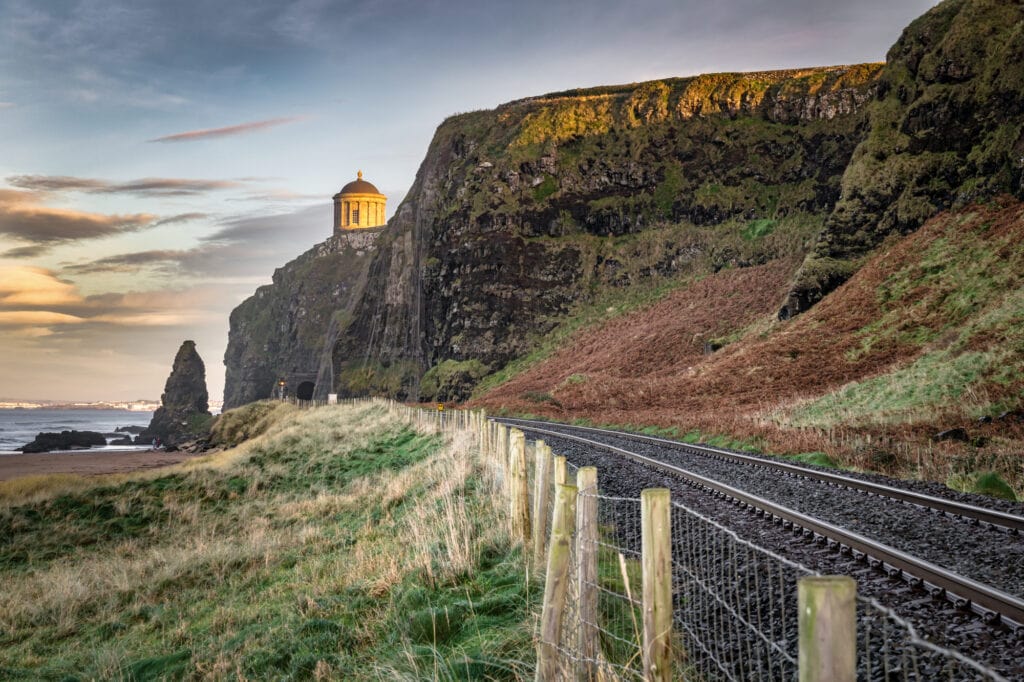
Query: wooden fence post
(501, 450)
(520, 481)
(560, 471)
(827, 607)
(586, 583)
(541, 502)
(656, 555)
(556, 584)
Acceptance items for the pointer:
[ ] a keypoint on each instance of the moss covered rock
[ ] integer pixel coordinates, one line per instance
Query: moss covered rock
(946, 129)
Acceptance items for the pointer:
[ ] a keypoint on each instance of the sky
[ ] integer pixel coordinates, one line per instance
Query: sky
(158, 160)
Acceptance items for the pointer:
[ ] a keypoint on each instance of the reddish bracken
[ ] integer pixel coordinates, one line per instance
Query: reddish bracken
(653, 367)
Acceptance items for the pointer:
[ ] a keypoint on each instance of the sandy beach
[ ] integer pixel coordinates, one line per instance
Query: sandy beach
(87, 463)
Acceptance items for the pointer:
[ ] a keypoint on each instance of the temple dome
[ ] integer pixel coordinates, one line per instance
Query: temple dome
(359, 186)
(359, 205)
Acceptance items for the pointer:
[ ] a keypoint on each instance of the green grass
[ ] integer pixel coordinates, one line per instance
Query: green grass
(983, 483)
(340, 543)
(960, 303)
(756, 229)
(936, 380)
(815, 458)
(546, 188)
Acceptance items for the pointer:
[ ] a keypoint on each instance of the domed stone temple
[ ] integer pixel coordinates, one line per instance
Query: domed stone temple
(358, 205)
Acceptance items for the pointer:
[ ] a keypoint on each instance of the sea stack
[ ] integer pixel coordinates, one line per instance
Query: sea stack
(184, 411)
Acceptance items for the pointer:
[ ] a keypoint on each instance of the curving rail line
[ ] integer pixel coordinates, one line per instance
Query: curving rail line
(991, 604)
(1010, 522)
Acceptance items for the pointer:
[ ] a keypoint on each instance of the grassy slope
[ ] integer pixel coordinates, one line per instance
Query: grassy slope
(339, 544)
(928, 335)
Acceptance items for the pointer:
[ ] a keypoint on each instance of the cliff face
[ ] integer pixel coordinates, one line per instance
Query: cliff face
(945, 130)
(519, 214)
(280, 331)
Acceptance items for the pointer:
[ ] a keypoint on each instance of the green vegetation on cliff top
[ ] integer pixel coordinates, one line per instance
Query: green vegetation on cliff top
(336, 544)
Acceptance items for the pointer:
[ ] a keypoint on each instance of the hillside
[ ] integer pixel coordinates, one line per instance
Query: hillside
(928, 335)
(946, 129)
(341, 544)
(520, 214)
(700, 209)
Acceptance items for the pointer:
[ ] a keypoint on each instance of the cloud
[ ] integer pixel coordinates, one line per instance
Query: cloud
(32, 286)
(143, 187)
(35, 319)
(26, 251)
(6, 105)
(248, 246)
(44, 225)
(180, 218)
(279, 195)
(35, 302)
(55, 183)
(127, 262)
(23, 217)
(169, 186)
(240, 129)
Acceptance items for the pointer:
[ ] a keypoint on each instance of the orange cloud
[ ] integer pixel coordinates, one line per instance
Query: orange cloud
(240, 129)
(32, 286)
(36, 318)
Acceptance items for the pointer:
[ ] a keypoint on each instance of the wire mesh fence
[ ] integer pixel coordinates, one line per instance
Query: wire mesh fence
(734, 604)
(735, 609)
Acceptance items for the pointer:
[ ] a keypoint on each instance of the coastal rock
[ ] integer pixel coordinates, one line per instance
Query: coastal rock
(184, 412)
(280, 332)
(65, 440)
(946, 129)
(521, 214)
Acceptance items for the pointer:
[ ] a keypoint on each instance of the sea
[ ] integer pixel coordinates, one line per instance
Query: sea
(20, 426)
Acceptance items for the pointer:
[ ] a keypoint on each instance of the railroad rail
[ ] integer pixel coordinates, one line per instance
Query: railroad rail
(992, 517)
(991, 604)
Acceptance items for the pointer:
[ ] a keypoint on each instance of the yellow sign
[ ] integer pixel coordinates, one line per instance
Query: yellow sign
(440, 407)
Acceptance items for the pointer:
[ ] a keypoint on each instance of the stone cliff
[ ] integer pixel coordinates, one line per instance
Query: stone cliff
(521, 214)
(946, 129)
(280, 332)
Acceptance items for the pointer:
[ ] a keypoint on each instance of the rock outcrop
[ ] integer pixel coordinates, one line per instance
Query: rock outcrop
(184, 412)
(65, 440)
(280, 332)
(520, 214)
(946, 129)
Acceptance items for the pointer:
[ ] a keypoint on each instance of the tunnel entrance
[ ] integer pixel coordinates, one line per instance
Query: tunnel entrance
(305, 390)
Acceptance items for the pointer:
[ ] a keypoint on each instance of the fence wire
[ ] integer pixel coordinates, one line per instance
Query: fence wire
(735, 610)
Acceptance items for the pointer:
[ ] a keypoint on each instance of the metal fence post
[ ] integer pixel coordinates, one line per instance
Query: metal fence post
(586, 558)
(827, 607)
(656, 555)
(556, 584)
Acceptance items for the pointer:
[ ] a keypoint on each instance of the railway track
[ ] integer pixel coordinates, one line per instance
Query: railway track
(995, 606)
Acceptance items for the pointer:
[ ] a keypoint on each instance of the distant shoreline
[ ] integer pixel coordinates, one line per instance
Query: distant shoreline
(147, 407)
